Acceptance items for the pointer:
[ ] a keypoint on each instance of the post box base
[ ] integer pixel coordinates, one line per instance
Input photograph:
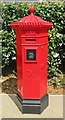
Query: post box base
(34, 106)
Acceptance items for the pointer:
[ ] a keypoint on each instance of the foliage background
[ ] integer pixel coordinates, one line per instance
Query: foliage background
(50, 11)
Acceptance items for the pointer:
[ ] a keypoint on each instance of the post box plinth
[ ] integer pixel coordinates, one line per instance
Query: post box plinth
(33, 106)
(32, 62)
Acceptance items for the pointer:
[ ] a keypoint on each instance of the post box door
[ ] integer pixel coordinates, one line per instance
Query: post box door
(33, 72)
(30, 74)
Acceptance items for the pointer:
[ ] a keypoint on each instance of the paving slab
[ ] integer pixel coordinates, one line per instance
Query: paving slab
(11, 107)
(0, 106)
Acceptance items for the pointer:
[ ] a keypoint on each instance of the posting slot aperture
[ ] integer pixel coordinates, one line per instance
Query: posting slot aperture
(31, 40)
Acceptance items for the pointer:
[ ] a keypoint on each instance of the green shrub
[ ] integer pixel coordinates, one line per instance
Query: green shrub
(50, 11)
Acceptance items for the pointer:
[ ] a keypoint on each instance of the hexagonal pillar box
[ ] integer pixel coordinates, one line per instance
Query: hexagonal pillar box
(32, 61)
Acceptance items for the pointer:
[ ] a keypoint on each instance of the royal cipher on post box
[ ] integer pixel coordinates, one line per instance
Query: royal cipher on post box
(32, 61)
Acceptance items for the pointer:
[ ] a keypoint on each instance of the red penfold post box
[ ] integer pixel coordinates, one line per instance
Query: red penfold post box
(32, 62)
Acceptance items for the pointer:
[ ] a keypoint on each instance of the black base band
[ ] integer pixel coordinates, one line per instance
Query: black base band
(35, 106)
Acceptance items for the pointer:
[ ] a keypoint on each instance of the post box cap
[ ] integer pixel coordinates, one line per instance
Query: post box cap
(31, 9)
(31, 22)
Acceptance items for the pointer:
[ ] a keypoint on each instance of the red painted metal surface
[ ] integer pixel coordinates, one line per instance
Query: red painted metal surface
(32, 41)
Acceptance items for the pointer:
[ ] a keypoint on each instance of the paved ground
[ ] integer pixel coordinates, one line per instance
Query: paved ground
(0, 106)
(9, 107)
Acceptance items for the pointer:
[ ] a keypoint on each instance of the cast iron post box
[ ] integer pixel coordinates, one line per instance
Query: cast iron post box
(32, 57)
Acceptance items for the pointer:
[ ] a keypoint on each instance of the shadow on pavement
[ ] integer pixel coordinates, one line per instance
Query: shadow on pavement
(16, 101)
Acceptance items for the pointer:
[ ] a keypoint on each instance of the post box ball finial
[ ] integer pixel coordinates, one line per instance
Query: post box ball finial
(31, 9)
